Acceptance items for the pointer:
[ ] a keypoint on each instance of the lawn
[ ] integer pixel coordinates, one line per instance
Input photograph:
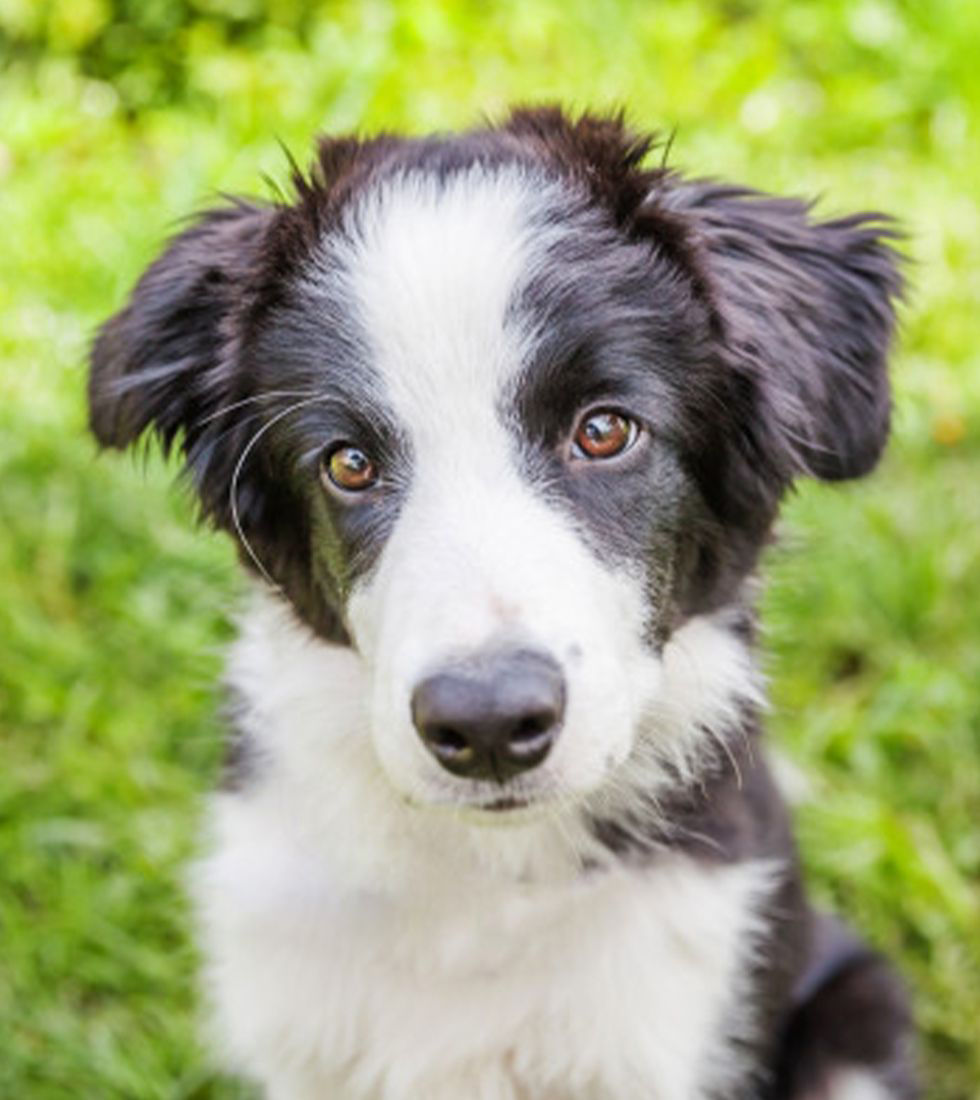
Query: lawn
(114, 609)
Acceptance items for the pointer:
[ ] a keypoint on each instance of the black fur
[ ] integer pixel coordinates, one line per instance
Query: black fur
(848, 1011)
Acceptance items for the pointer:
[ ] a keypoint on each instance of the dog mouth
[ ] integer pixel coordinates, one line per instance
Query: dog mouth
(503, 805)
(499, 807)
(520, 800)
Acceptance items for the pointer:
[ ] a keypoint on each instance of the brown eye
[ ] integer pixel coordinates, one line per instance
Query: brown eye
(604, 434)
(349, 468)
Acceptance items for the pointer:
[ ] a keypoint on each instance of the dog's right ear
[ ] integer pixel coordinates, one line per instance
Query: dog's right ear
(165, 362)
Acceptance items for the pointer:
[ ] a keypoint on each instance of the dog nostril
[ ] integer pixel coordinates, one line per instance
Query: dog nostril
(532, 734)
(449, 745)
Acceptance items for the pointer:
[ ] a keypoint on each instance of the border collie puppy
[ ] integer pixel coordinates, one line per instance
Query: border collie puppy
(500, 423)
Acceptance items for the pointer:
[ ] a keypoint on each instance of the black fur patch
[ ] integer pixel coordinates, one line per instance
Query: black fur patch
(849, 1014)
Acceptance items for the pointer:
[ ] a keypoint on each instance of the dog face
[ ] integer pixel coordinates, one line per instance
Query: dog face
(503, 412)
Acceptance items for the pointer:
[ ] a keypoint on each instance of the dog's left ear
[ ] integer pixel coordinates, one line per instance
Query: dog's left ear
(163, 364)
(807, 314)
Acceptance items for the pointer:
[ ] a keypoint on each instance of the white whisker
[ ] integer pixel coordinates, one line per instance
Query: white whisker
(233, 489)
(255, 397)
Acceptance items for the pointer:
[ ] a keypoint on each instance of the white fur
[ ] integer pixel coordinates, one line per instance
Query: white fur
(854, 1084)
(362, 948)
(708, 678)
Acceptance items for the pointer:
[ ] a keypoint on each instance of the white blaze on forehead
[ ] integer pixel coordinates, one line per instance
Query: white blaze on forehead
(434, 265)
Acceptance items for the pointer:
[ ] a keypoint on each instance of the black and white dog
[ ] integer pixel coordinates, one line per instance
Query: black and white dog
(501, 422)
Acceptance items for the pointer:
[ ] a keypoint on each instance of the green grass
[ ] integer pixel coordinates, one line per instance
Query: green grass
(113, 610)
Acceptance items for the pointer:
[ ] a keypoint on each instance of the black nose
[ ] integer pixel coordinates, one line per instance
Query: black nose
(493, 715)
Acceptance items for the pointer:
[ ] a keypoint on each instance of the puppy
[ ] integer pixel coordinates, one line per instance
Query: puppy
(500, 423)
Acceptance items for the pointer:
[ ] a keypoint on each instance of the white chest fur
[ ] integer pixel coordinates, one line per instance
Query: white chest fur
(621, 984)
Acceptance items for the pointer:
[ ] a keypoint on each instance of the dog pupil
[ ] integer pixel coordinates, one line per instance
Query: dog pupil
(351, 468)
(604, 431)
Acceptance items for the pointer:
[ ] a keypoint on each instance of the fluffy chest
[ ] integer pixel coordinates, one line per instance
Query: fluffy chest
(622, 983)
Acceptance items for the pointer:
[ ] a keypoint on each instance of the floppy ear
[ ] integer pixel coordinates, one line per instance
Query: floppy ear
(807, 312)
(164, 362)
(167, 363)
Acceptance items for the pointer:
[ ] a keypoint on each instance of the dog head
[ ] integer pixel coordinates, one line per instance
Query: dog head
(503, 412)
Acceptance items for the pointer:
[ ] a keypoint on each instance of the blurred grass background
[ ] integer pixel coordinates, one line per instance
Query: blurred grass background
(119, 117)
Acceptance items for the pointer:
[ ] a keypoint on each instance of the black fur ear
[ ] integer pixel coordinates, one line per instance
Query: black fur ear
(163, 362)
(807, 312)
